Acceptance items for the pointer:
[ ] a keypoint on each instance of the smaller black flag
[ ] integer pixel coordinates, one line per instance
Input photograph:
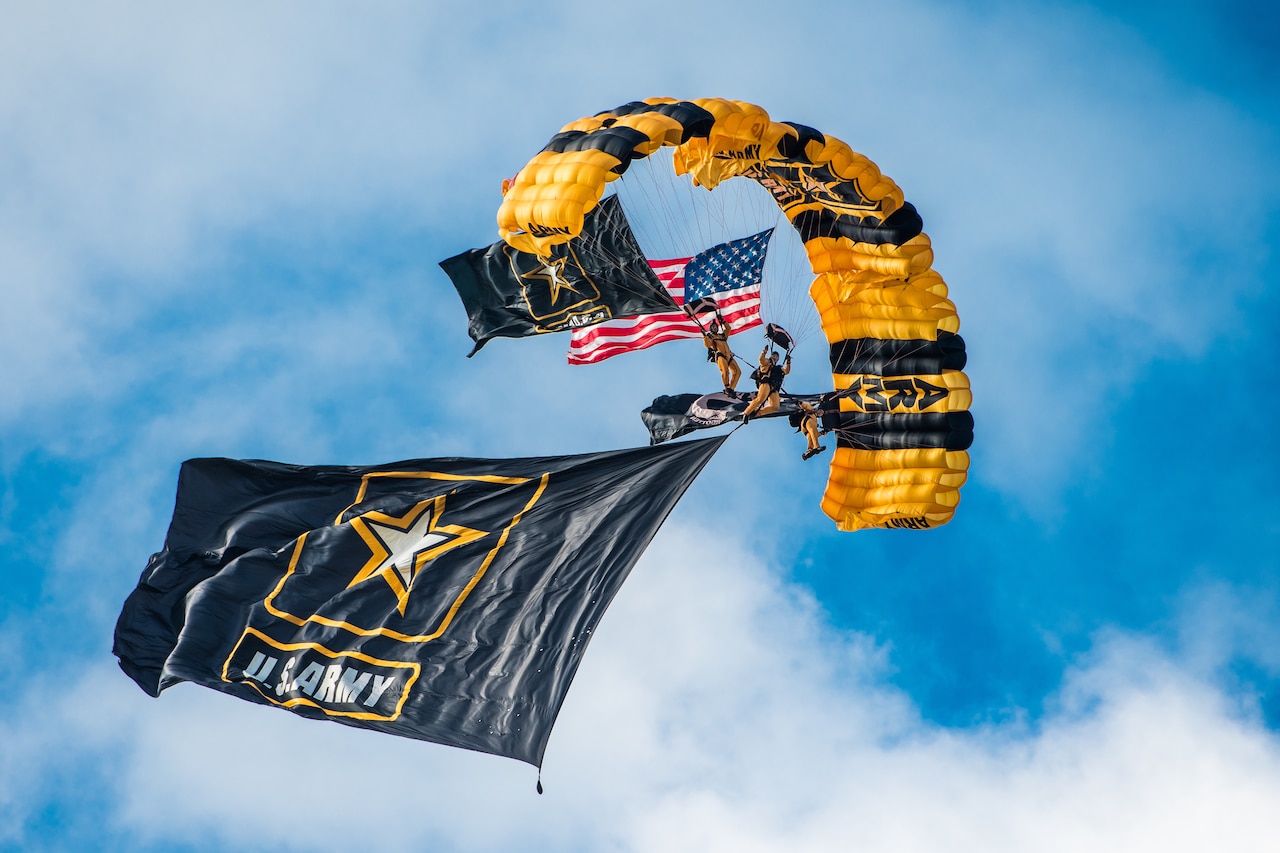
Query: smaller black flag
(448, 600)
(599, 275)
(672, 416)
(887, 414)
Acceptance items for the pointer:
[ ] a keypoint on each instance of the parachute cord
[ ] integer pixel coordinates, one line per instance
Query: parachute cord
(539, 780)
(672, 217)
(694, 317)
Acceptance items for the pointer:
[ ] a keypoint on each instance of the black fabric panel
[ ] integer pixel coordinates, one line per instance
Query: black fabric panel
(792, 148)
(881, 431)
(880, 357)
(899, 227)
(695, 120)
(619, 142)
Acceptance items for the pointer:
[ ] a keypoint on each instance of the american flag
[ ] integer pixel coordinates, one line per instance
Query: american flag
(729, 273)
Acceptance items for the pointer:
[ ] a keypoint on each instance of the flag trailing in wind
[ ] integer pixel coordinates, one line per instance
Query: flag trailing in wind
(448, 600)
(599, 275)
(728, 275)
(872, 414)
(669, 417)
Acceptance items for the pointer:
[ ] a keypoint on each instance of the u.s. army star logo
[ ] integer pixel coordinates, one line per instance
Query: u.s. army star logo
(552, 273)
(402, 545)
(395, 568)
(402, 559)
(554, 288)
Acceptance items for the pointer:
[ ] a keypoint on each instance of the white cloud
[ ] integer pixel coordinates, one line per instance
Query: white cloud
(142, 152)
(1073, 212)
(714, 711)
(1069, 210)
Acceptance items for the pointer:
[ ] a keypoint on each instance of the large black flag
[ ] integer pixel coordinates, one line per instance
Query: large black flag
(448, 600)
(597, 276)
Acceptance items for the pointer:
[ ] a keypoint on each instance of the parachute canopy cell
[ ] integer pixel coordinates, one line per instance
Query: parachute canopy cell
(896, 355)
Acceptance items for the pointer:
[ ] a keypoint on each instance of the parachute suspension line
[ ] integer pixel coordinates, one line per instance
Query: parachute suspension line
(663, 208)
(787, 301)
(785, 293)
(672, 217)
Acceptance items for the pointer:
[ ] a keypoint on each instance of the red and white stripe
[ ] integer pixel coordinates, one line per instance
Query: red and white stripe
(591, 344)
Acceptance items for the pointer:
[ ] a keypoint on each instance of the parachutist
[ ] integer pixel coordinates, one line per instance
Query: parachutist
(716, 338)
(768, 381)
(807, 419)
(816, 419)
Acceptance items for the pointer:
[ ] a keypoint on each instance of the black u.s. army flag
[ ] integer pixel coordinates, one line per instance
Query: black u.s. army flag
(597, 276)
(448, 600)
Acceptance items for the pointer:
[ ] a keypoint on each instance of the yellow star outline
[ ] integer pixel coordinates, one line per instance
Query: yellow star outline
(552, 272)
(815, 187)
(422, 536)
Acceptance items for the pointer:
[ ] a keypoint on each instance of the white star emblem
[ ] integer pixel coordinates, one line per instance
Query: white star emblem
(552, 272)
(402, 546)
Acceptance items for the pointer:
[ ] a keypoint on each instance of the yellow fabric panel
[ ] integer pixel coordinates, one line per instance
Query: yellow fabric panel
(871, 318)
(838, 300)
(587, 124)
(915, 494)
(740, 139)
(929, 280)
(661, 130)
(879, 478)
(887, 460)
(852, 515)
(861, 308)
(888, 329)
(835, 254)
(869, 288)
(863, 290)
(908, 517)
(845, 284)
(718, 107)
(545, 172)
(894, 488)
(554, 191)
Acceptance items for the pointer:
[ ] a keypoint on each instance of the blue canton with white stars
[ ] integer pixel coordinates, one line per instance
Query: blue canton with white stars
(729, 266)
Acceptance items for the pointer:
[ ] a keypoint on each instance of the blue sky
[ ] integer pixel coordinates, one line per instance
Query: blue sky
(218, 237)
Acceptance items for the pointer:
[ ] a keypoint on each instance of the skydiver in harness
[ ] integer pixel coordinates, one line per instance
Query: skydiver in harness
(716, 338)
(809, 418)
(768, 384)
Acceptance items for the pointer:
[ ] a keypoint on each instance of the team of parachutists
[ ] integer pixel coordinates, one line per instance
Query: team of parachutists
(768, 378)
